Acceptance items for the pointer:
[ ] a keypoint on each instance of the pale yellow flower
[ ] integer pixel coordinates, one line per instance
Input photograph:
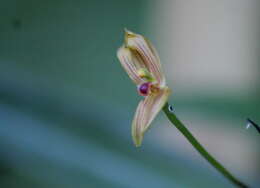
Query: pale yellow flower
(141, 62)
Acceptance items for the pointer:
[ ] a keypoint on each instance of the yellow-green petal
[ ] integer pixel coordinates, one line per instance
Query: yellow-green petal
(146, 111)
(130, 63)
(143, 48)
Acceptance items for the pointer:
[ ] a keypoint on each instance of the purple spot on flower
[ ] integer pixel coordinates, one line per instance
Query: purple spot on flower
(144, 88)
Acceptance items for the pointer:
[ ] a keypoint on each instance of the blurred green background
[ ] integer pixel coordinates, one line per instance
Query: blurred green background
(66, 105)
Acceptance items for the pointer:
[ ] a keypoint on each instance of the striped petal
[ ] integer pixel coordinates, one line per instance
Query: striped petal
(130, 63)
(147, 52)
(146, 111)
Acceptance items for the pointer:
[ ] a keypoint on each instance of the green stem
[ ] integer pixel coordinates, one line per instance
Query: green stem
(180, 126)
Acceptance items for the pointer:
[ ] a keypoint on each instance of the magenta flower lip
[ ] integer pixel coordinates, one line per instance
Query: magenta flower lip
(144, 88)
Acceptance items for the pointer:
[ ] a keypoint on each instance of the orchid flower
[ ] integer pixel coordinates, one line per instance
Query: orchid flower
(142, 64)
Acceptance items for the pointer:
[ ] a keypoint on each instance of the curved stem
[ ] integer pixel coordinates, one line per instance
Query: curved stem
(254, 124)
(180, 126)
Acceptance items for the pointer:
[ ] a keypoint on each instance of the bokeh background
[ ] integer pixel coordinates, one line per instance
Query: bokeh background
(66, 104)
